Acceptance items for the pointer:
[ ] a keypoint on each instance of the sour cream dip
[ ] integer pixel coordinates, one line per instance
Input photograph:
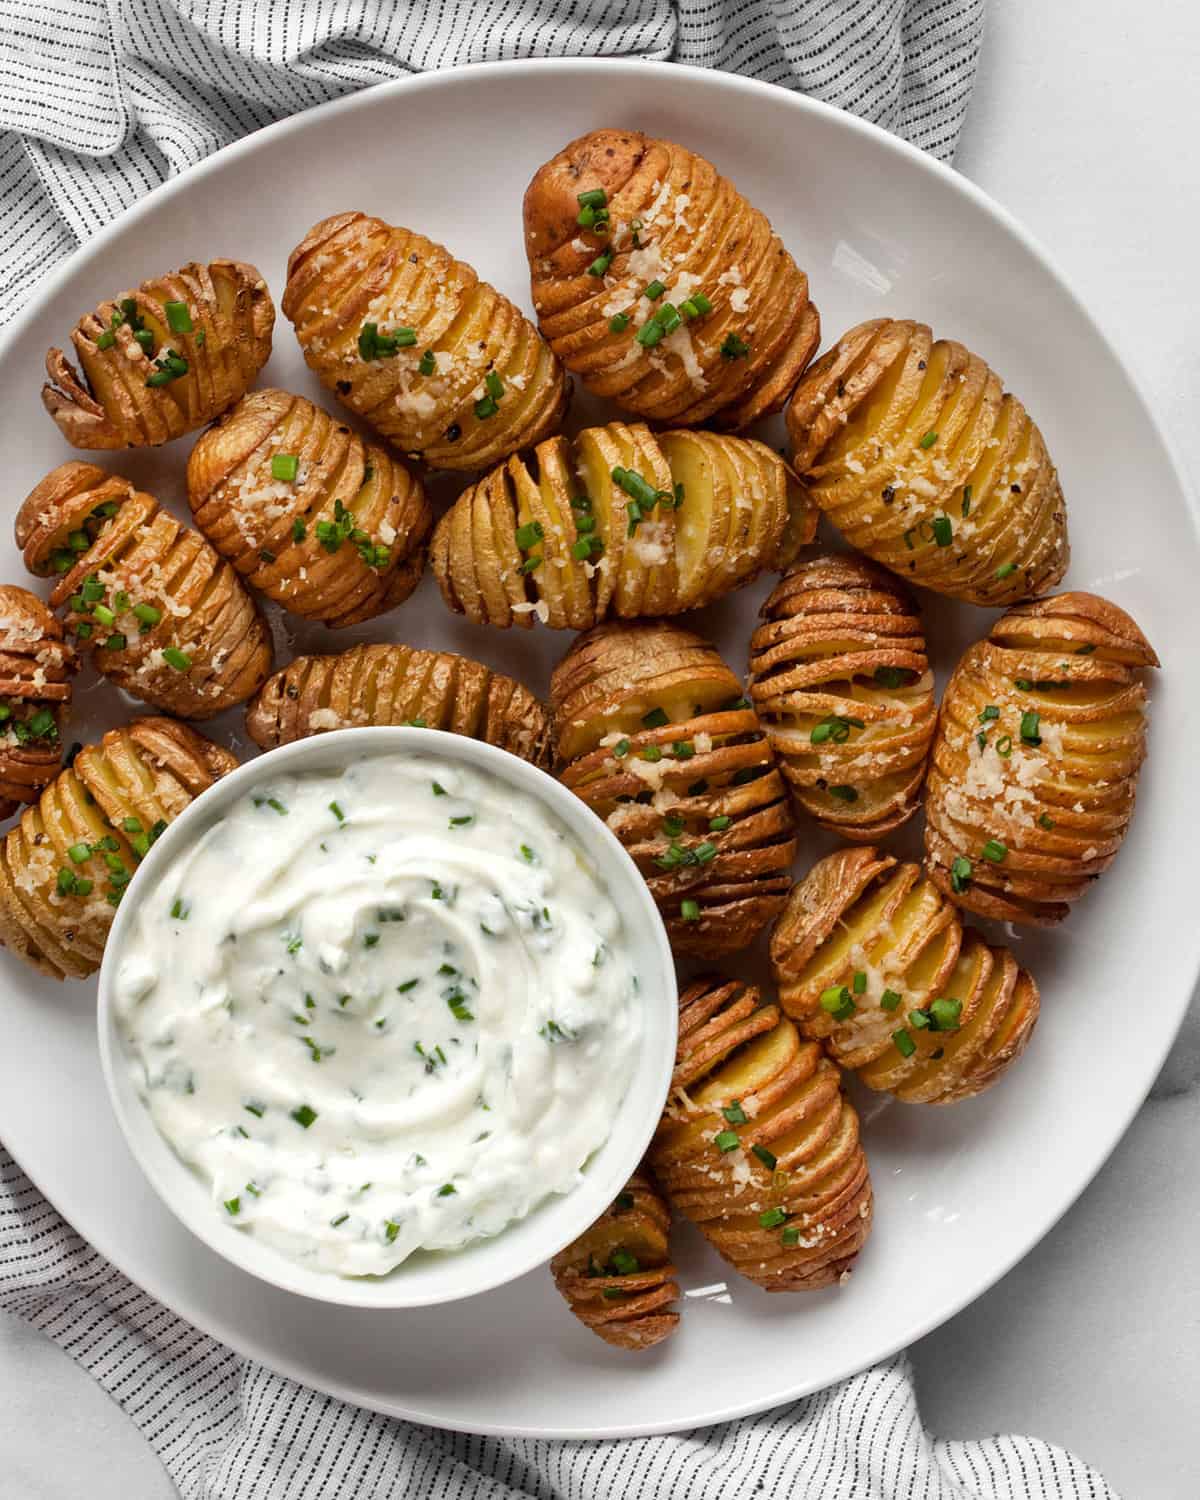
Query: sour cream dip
(380, 1010)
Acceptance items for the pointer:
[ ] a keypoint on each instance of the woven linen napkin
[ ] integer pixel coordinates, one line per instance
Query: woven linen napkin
(100, 100)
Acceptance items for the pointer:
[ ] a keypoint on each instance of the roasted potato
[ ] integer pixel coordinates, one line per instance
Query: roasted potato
(164, 359)
(758, 1144)
(1041, 736)
(660, 286)
(36, 664)
(923, 461)
(436, 360)
(617, 1277)
(399, 685)
(331, 527)
(872, 960)
(65, 865)
(163, 617)
(621, 522)
(841, 683)
(655, 737)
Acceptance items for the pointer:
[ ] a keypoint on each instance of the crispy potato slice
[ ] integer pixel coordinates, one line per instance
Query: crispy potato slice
(758, 1145)
(617, 1277)
(840, 678)
(1034, 769)
(922, 461)
(378, 684)
(115, 798)
(873, 961)
(162, 616)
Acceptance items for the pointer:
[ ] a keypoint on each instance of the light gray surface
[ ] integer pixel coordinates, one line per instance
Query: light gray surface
(1084, 124)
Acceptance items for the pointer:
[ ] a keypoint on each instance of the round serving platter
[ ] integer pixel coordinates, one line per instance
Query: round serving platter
(961, 1194)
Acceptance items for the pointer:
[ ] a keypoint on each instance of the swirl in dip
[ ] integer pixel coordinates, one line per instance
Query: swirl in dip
(380, 1010)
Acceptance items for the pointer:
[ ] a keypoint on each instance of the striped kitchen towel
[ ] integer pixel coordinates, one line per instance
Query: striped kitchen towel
(100, 100)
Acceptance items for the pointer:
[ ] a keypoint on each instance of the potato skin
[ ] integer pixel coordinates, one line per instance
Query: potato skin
(271, 529)
(632, 1309)
(108, 404)
(841, 655)
(82, 526)
(147, 771)
(1054, 792)
(352, 269)
(691, 748)
(795, 1217)
(736, 515)
(36, 665)
(923, 461)
(697, 234)
(862, 912)
(377, 684)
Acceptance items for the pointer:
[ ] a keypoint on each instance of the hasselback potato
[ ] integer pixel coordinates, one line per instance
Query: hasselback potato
(872, 960)
(413, 341)
(758, 1144)
(399, 685)
(1041, 736)
(923, 461)
(164, 359)
(65, 865)
(36, 664)
(654, 735)
(657, 283)
(331, 527)
(162, 615)
(621, 522)
(840, 681)
(617, 1277)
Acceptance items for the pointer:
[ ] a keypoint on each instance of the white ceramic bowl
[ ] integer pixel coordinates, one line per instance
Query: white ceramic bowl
(424, 1278)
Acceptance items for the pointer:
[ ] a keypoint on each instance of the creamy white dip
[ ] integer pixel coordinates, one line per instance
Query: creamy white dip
(382, 1010)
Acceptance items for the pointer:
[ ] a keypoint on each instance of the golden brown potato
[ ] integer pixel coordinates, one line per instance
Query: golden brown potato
(162, 615)
(727, 327)
(331, 527)
(65, 865)
(621, 522)
(399, 685)
(923, 461)
(1041, 736)
(840, 681)
(410, 338)
(164, 359)
(872, 960)
(36, 664)
(617, 1277)
(758, 1144)
(656, 738)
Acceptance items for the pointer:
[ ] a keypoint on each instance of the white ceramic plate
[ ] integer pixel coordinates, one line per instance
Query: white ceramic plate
(962, 1193)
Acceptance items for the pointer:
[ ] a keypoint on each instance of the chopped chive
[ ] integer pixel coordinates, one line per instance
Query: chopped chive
(734, 1113)
(990, 712)
(147, 614)
(284, 466)
(179, 319)
(618, 323)
(790, 1236)
(859, 984)
(601, 264)
(532, 563)
(918, 1020)
(734, 347)
(335, 809)
(960, 875)
(905, 1045)
(654, 291)
(528, 534)
(689, 910)
(1030, 723)
(1005, 570)
(773, 1218)
(767, 1158)
(104, 614)
(1004, 745)
(303, 1115)
(649, 333)
(621, 749)
(943, 531)
(593, 198)
(233, 1206)
(929, 439)
(427, 364)
(994, 850)
(485, 407)
(115, 642)
(257, 1110)
(889, 1000)
(463, 821)
(447, 1190)
(726, 1140)
(493, 385)
(180, 660)
(718, 825)
(966, 500)
(1046, 821)
(836, 1002)
(945, 1015)
(79, 853)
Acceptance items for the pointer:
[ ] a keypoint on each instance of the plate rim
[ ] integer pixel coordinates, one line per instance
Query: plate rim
(733, 84)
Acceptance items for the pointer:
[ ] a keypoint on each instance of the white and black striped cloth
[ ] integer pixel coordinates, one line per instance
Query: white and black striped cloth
(100, 100)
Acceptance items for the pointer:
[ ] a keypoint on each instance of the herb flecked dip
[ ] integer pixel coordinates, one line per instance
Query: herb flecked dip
(380, 1010)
